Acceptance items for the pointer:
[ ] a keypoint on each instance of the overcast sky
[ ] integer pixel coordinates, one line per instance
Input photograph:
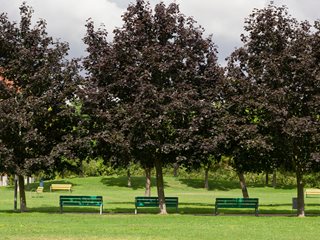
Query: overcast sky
(222, 18)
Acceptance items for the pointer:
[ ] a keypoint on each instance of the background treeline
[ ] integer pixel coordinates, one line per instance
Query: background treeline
(221, 172)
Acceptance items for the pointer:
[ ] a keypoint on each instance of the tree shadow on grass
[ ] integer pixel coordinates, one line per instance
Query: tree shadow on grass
(286, 187)
(224, 185)
(262, 185)
(122, 181)
(184, 208)
(56, 210)
(213, 185)
(35, 209)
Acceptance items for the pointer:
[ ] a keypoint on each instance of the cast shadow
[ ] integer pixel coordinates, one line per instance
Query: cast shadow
(122, 181)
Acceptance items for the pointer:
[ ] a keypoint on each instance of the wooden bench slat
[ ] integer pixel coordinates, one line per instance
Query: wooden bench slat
(312, 191)
(56, 186)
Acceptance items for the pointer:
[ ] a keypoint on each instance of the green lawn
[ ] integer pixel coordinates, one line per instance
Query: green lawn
(194, 220)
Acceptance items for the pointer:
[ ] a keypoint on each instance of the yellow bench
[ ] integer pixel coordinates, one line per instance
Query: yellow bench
(61, 187)
(312, 191)
(37, 191)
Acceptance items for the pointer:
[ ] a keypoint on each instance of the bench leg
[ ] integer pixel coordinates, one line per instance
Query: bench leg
(216, 211)
(61, 209)
(136, 211)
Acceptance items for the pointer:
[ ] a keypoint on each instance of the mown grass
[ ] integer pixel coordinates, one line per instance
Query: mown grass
(194, 219)
(89, 226)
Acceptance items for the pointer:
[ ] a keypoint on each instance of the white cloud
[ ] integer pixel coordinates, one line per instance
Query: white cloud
(66, 19)
(223, 18)
(302, 10)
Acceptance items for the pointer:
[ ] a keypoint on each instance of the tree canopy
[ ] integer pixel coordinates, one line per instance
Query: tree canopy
(277, 71)
(154, 74)
(34, 116)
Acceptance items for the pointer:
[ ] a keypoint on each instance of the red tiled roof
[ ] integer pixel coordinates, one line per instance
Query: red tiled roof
(6, 81)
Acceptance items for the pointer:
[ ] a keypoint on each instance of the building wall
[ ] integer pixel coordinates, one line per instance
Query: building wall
(4, 181)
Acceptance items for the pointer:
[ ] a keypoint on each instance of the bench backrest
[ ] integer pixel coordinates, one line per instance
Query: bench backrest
(237, 202)
(313, 191)
(154, 201)
(39, 190)
(61, 186)
(81, 200)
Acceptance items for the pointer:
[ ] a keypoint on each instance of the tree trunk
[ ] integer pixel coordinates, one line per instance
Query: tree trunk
(22, 194)
(206, 176)
(129, 177)
(147, 192)
(243, 185)
(15, 201)
(274, 179)
(300, 194)
(175, 169)
(160, 187)
(267, 178)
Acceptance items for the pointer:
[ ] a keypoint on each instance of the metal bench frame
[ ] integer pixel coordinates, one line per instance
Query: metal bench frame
(85, 201)
(237, 203)
(154, 202)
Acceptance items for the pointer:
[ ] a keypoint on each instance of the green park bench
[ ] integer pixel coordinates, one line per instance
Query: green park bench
(236, 203)
(154, 202)
(71, 200)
